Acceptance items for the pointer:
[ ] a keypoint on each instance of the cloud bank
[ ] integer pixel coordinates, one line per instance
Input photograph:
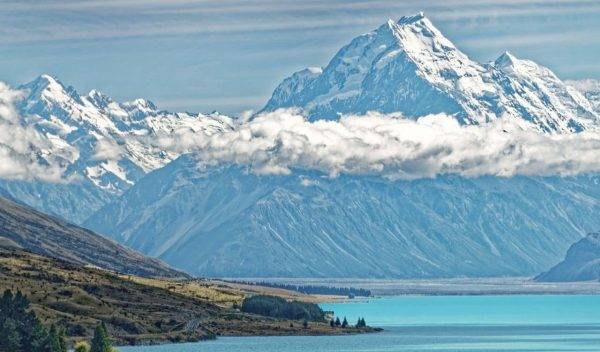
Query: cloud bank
(279, 142)
(25, 152)
(391, 146)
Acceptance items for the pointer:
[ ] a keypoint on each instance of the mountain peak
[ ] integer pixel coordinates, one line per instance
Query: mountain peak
(506, 59)
(407, 20)
(414, 21)
(409, 66)
(98, 98)
(48, 89)
(417, 33)
(43, 82)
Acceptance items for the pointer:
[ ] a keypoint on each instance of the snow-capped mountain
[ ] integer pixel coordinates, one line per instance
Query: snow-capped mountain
(220, 219)
(110, 145)
(409, 66)
(99, 129)
(224, 221)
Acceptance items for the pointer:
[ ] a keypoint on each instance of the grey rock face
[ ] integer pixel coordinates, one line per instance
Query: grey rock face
(223, 221)
(581, 263)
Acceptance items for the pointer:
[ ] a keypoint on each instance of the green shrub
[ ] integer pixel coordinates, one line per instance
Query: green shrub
(82, 346)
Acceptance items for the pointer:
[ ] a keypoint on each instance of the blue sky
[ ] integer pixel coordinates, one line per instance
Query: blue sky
(204, 55)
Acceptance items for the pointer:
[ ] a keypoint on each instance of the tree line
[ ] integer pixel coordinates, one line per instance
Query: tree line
(315, 289)
(344, 324)
(278, 307)
(22, 331)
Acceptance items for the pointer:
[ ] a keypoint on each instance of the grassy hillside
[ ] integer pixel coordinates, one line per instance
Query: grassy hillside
(39, 233)
(136, 310)
(223, 293)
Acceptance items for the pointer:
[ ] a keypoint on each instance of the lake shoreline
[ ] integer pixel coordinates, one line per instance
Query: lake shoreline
(448, 287)
(322, 330)
(438, 324)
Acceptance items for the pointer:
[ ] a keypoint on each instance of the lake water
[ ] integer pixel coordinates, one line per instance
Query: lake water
(440, 323)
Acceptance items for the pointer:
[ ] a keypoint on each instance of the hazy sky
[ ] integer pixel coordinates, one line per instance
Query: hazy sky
(202, 55)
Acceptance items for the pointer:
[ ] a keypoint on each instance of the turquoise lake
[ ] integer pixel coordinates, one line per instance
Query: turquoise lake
(440, 323)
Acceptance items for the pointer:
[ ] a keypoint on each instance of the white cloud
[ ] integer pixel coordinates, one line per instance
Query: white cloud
(393, 147)
(108, 150)
(280, 142)
(143, 18)
(25, 154)
(585, 85)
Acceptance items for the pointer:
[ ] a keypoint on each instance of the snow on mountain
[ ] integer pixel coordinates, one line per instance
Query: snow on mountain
(224, 221)
(115, 143)
(218, 217)
(409, 66)
(590, 88)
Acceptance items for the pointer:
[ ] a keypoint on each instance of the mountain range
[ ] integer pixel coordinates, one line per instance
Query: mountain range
(224, 220)
(90, 137)
(409, 66)
(227, 222)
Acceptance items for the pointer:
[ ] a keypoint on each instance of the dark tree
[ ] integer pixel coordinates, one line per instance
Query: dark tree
(337, 321)
(20, 331)
(278, 307)
(37, 337)
(10, 339)
(345, 323)
(305, 324)
(100, 342)
(53, 342)
(332, 323)
(63, 340)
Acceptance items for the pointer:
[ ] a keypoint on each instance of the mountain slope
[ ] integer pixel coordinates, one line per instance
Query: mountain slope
(590, 88)
(581, 263)
(48, 236)
(141, 311)
(225, 222)
(408, 66)
(102, 147)
(73, 201)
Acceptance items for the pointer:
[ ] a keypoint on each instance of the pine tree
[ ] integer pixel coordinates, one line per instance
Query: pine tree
(62, 339)
(53, 340)
(21, 331)
(332, 323)
(36, 336)
(337, 321)
(10, 339)
(20, 302)
(100, 341)
(345, 323)
(6, 304)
